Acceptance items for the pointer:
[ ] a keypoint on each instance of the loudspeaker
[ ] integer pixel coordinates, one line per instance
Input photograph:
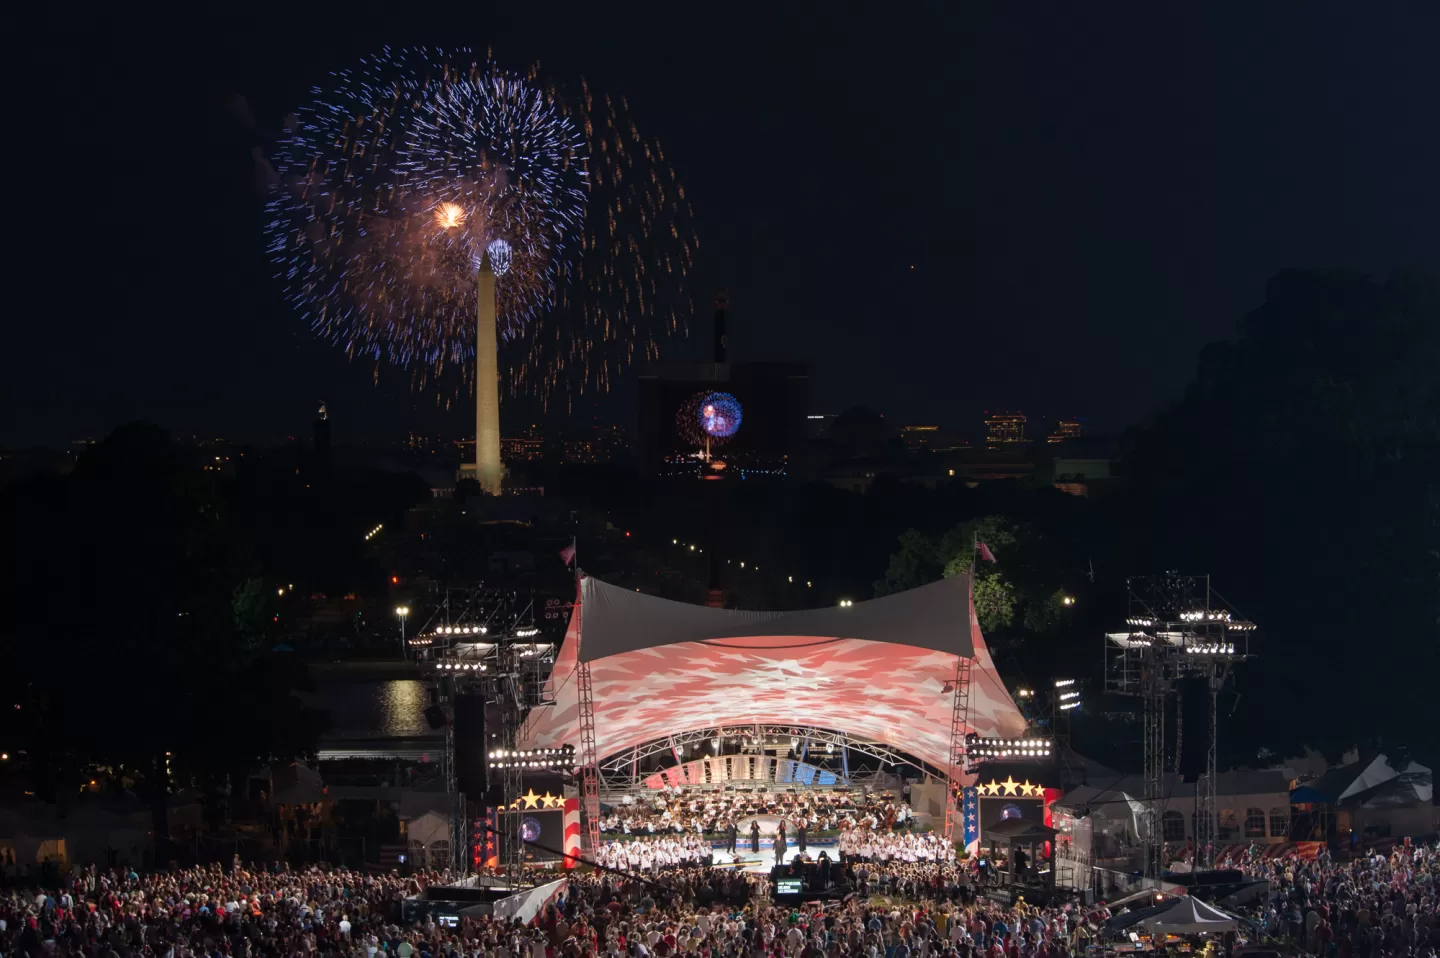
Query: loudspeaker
(470, 771)
(1087, 897)
(435, 717)
(1194, 709)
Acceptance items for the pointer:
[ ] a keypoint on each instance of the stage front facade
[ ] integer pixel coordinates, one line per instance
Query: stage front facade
(881, 672)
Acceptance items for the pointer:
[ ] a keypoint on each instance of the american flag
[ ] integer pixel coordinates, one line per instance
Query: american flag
(970, 810)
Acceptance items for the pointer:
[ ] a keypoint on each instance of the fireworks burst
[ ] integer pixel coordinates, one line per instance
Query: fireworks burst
(408, 170)
(708, 419)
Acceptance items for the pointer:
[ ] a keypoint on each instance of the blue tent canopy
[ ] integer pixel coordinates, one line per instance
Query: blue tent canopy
(1305, 795)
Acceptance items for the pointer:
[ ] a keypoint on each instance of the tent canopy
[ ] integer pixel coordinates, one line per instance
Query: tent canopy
(1178, 916)
(930, 617)
(1190, 916)
(882, 671)
(296, 784)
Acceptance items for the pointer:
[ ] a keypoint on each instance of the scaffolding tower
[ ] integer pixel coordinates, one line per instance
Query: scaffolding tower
(1177, 627)
(589, 763)
(959, 751)
(485, 640)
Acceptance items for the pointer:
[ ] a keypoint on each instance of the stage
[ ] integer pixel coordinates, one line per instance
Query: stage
(761, 862)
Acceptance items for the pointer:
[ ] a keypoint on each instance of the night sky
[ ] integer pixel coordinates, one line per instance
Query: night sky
(1048, 206)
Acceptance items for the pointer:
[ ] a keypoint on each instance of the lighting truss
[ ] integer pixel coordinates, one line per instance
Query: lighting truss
(1177, 627)
(1007, 749)
(618, 771)
(533, 758)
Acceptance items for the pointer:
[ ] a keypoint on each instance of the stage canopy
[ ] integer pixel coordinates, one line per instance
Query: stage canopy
(877, 670)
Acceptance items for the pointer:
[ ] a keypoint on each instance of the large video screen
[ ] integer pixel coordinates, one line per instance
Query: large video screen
(541, 828)
(996, 809)
(754, 417)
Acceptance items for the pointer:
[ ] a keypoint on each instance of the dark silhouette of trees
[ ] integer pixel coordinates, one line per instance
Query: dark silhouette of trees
(1300, 469)
(138, 605)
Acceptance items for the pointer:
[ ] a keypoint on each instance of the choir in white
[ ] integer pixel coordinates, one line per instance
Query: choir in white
(653, 854)
(872, 846)
(676, 811)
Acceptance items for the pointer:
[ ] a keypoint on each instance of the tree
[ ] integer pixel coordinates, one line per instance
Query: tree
(1300, 470)
(133, 608)
(1019, 593)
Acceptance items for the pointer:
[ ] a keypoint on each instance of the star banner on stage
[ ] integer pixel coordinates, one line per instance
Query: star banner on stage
(970, 810)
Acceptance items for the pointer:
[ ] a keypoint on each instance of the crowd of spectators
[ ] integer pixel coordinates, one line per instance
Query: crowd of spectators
(1378, 904)
(190, 912)
(277, 912)
(1373, 907)
(696, 913)
(675, 810)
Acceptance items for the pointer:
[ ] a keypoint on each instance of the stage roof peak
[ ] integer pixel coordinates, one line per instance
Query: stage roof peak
(930, 617)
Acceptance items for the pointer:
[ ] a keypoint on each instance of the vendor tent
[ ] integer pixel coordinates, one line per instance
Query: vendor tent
(1189, 916)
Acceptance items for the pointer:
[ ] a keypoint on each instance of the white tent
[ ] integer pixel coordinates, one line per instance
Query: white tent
(1189, 916)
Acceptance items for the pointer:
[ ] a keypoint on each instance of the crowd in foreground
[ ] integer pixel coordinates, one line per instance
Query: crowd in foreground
(1375, 907)
(1378, 904)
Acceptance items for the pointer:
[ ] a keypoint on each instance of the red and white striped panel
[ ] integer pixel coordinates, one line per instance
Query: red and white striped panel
(572, 832)
(881, 691)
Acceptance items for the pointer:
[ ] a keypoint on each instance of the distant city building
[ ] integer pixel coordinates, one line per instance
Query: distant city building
(817, 425)
(1066, 429)
(598, 443)
(920, 437)
(522, 448)
(1004, 429)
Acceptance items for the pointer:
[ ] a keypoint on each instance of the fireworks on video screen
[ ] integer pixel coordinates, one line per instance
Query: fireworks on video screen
(405, 172)
(708, 419)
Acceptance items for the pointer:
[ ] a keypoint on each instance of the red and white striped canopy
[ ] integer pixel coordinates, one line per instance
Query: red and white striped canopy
(879, 670)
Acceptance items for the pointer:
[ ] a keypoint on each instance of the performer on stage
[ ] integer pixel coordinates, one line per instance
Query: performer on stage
(755, 836)
(780, 844)
(800, 837)
(730, 834)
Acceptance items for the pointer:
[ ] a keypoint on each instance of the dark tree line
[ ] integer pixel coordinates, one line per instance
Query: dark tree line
(1301, 469)
(139, 601)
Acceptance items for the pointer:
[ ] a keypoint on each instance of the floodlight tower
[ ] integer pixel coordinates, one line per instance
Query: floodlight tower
(1177, 627)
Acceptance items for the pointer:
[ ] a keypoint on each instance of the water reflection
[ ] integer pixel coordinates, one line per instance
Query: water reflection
(385, 708)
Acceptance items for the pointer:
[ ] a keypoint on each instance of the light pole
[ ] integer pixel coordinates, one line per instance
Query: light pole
(403, 611)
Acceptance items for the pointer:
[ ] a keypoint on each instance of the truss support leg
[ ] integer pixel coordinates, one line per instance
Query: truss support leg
(1155, 692)
(959, 726)
(589, 764)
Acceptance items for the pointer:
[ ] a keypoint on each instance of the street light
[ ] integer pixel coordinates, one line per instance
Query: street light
(403, 611)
